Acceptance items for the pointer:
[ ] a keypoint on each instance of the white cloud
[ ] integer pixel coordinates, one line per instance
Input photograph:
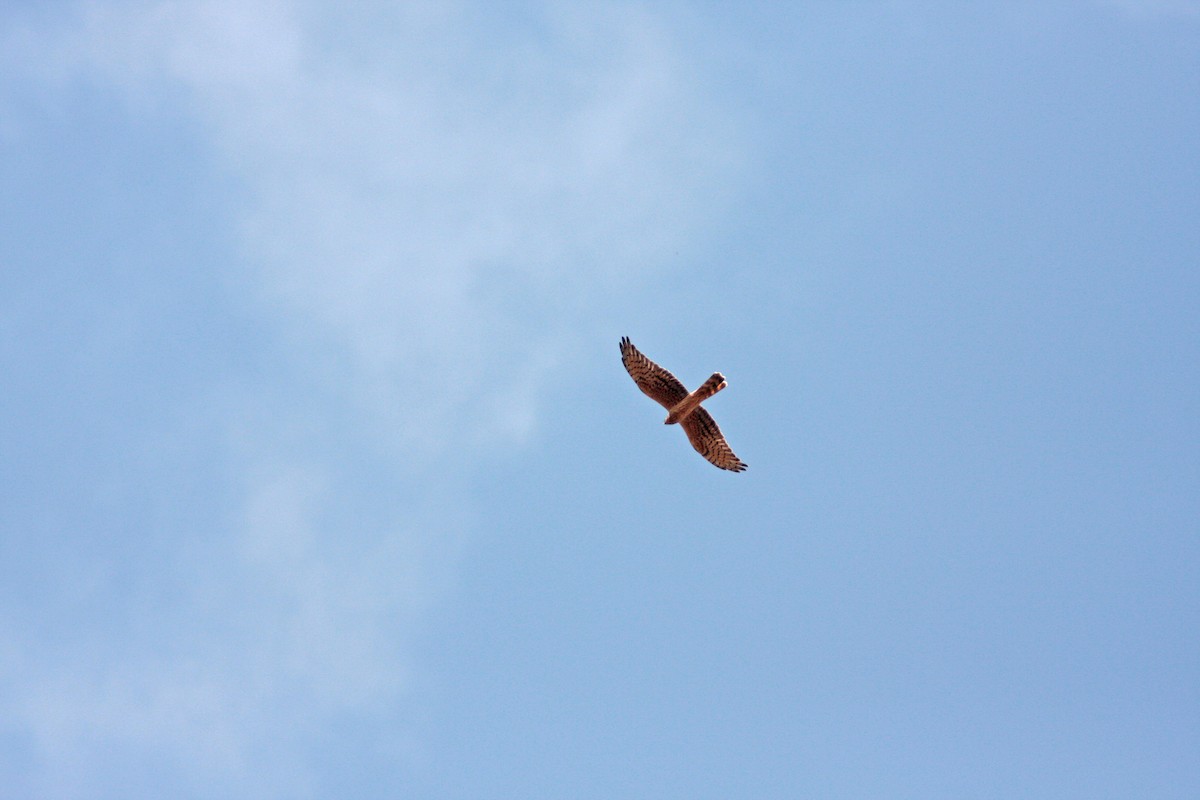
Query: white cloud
(217, 668)
(436, 200)
(391, 192)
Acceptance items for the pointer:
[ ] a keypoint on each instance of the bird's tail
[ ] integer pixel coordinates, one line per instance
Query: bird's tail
(690, 403)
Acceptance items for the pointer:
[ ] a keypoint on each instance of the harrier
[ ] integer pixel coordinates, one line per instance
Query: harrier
(665, 389)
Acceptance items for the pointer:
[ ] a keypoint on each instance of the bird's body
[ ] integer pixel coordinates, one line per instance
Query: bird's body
(683, 407)
(681, 410)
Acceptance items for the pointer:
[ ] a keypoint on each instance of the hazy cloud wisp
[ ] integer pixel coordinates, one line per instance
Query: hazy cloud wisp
(431, 200)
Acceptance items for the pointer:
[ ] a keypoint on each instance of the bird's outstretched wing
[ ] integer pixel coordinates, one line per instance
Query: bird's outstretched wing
(658, 384)
(706, 437)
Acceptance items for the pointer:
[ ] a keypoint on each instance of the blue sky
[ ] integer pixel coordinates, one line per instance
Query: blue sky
(320, 475)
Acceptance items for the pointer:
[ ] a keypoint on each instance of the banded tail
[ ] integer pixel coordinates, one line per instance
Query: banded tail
(687, 405)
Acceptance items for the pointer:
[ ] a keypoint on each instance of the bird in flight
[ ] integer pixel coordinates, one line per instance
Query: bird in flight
(683, 407)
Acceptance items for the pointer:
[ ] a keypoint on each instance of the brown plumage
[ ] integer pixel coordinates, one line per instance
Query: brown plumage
(683, 407)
